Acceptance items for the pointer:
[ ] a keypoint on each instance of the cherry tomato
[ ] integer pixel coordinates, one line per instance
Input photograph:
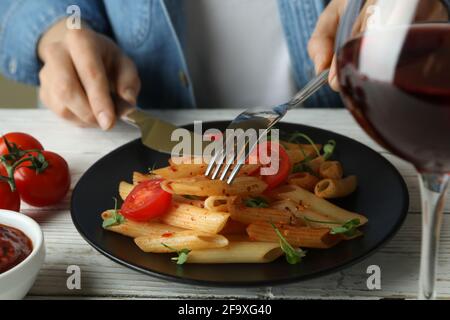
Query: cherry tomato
(8, 200)
(146, 201)
(22, 140)
(284, 168)
(46, 188)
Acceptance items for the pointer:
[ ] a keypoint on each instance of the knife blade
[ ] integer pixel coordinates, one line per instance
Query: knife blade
(157, 134)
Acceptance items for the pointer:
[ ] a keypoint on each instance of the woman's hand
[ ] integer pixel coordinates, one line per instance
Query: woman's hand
(322, 42)
(81, 70)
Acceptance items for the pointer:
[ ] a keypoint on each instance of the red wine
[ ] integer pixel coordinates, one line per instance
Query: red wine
(404, 104)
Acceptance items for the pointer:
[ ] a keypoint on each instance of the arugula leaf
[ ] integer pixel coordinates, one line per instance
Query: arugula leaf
(115, 219)
(303, 167)
(348, 229)
(182, 254)
(293, 256)
(329, 149)
(258, 202)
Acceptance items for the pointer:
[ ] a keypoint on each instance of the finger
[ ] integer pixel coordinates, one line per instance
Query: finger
(62, 89)
(321, 45)
(128, 83)
(60, 110)
(91, 70)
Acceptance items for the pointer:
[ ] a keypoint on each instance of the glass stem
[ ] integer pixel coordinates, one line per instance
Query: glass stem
(433, 190)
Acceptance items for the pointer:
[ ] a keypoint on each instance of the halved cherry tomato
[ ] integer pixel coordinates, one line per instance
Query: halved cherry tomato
(8, 200)
(45, 188)
(284, 168)
(22, 140)
(146, 201)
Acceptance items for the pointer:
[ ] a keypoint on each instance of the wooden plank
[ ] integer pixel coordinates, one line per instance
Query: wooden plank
(103, 278)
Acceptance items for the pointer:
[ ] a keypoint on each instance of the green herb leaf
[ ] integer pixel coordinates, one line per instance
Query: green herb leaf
(115, 219)
(150, 170)
(303, 167)
(293, 256)
(348, 229)
(329, 149)
(182, 254)
(258, 202)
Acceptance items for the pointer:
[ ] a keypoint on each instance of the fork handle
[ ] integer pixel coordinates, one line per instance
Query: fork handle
(311, 88)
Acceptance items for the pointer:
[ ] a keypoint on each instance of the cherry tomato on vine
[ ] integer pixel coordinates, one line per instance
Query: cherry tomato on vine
(22, 140)
(8, 200)
(46, 185)
(146, 201)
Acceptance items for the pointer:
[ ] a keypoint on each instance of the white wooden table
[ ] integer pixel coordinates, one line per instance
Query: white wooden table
(102, 278)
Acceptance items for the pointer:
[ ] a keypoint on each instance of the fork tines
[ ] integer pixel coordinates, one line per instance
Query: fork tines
(228, 161)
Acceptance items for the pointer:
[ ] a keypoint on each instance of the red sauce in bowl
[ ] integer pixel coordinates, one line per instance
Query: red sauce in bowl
(15, 247)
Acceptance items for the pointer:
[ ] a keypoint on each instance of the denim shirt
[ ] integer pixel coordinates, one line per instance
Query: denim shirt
(151, 33)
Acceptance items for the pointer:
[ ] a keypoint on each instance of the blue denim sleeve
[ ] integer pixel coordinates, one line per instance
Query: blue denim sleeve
(447, 4)
(22, 22)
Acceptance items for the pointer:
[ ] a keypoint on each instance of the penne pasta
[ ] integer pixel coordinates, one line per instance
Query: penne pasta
(181, 171)
(134, 229)
(217, 203)
(331, 170)
(309, 217)
(303, 237)
(304, 180)
(177, 199)
(234, 228)
(176, 161)
(211, 222)
(285, 205)
(249, 169)
(192, 240)
(320, 205)
(238, 252)
(204, 187)
(125, 189)
(140, 177)
(298, 155)
(331, 189)
(194, 218)
(247, 215)
(316, 163)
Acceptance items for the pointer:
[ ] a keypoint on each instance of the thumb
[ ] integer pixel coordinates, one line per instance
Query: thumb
(128, 84)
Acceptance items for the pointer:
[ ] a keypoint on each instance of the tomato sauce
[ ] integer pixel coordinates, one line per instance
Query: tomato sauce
(15, 247)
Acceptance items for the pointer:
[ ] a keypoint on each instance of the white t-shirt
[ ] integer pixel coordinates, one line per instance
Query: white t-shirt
(237, 53)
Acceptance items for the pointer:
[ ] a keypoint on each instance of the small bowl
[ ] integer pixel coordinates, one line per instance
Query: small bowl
(16, 282)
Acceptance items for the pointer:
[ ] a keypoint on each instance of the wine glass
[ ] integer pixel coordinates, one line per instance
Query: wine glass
(393, 61)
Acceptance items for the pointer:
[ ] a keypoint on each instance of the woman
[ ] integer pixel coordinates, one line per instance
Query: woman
(169, 53)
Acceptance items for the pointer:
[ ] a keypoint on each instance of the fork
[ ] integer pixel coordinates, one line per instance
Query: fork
(258, 119)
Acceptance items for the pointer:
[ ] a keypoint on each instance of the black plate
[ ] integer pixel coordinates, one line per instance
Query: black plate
(382, 196)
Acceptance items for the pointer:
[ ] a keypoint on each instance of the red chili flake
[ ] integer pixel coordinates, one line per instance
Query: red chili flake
(167, 235)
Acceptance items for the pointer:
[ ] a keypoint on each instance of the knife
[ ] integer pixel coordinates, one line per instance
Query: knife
(156, 134)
